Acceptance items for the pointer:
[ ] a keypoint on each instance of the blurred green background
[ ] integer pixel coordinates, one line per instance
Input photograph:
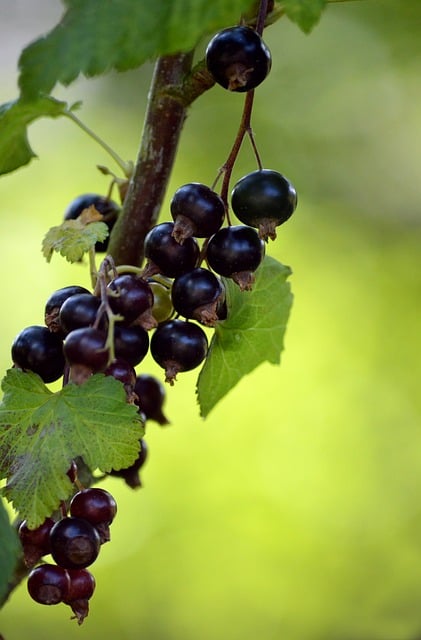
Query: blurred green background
(294, 511)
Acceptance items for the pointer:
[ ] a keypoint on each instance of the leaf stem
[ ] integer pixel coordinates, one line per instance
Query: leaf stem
(126, 167)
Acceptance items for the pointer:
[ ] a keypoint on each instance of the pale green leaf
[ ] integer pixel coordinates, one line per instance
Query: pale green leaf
(72, 239)
(15, 150)
(253, 333)
(41, 432)
(95, 36)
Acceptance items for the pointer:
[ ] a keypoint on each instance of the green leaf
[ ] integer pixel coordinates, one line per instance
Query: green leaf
(253, 332)
(42, 432)
(15, 150)
(9, 551)
(95, 36)
(72, 239)
(305, 13)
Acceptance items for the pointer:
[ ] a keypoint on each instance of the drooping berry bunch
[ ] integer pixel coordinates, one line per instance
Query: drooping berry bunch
(167, 307)
(74, 542)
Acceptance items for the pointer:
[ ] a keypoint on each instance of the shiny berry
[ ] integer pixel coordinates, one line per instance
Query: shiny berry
(236, 252)
(198, 294)
(264, 199)
(54, 303)
(130, 343)
(197, 211)
(178, 346)
(48, 584)
(37, 349)
(87, 347)
(74, 543)
(238, 59)
(78, 311)
(167, 256)
(130, 296)
(82, 587)
(35, 542)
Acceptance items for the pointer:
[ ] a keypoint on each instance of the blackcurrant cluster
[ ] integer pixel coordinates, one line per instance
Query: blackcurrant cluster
(73, 541)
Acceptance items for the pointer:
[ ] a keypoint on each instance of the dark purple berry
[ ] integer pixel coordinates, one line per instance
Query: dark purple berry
(35, 542)
(165, 255)
(48, 584)
(238, 59)
(74, 543)
(198, 294)
(98, 507)
(54, 303)
(151, 397)
(130, 297)
(123, 371)
(131, 343)
(78, 311)
(108, 208)
(197, 211)
(87, 347)
(236, 252)
(82, 587)
(37, 349)
(178, 346)
(264, 199)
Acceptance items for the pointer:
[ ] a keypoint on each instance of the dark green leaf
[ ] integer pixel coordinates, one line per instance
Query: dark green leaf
(42, 432)
(253, 333)
(15, 150)
(9, 551)
(306, 13)
(95, 36)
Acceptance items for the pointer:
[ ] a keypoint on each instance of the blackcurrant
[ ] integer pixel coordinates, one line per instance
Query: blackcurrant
(54, 302)
(130, 296)
(165, 255)
(178, 346)
(82, 587)
(78, 311)
(197, 211)
(37, 349)
(151, 397)
(198, 294)
(87, 347)
(74, 543)
(131, 343)
(48, 584)
(264, 199)
(108, 208)
(236, 252)
(238, 59)
(97, 506)
(130, 474)
(35, 542)
(123, 371)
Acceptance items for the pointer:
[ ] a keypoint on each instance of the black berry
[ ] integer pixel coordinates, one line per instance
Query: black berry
(197, 211)
(130, 474)
(198, 294)
(78, 311)
(37, 349)
(74, 543)
(82, 587)
(97, 506)
(35, 542)
(87, 347)
(130, 297)
(264, 199)
(165, 255)
(130, 343)
(48, 584)
(178, 346)
(54, 303)
(236, 252)
(238, 59)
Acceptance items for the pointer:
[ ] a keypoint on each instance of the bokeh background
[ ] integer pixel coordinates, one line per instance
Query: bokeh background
(294, 511)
